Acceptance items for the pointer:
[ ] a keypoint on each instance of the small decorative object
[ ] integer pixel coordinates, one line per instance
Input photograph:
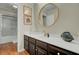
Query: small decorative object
(67, 36)
(27, 15)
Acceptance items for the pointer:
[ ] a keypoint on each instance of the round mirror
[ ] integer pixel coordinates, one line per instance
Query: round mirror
(48, 15)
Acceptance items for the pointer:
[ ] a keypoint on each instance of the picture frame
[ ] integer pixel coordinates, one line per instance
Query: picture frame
(27, 12)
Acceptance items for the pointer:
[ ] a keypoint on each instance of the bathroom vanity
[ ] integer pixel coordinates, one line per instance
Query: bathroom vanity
(37, 46)
(44, 43)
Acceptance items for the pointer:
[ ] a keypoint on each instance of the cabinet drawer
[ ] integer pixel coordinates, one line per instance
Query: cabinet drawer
(41, 44)
(55, 50)
(32, 40)
(40, 51)
(52, 50)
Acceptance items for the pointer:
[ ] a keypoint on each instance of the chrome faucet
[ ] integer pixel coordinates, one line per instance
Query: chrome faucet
(46, 34)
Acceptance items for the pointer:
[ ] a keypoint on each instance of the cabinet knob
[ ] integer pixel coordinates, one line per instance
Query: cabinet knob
(36, 49)
(58, 53)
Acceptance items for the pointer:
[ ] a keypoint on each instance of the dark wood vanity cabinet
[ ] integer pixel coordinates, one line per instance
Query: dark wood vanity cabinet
(53, 50)
(41, 48)
(29, 44)
(32, 49)
(26, 47)
(40, 51)
(32, 46)
(37, 47)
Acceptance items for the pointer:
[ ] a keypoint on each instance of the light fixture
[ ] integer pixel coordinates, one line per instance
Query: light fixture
(14, 6)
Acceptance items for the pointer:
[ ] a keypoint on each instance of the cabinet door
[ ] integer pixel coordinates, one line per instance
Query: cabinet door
(41, 44)
(40, 51)
(26, 42)
(32, 48)
(66, 52)
(26, 45)
(52, 50)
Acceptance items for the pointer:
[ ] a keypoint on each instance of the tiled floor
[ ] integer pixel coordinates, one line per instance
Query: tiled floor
(10, 49)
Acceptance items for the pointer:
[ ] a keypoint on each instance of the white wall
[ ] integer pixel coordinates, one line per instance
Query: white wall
(4, 37)
(3, 12)
(0, 25)
(24, 28)
(68, 18)
(31, 27)
(8, 29)
(68, 21)
(20, 28)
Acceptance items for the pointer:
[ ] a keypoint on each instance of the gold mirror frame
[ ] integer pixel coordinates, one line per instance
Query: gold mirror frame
(55, 18)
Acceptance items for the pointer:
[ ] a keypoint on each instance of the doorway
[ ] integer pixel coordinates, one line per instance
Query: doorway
(8, 25)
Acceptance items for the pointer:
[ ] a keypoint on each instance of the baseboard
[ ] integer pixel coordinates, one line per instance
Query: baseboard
(21, 50)
(14, 41)
(3, 42)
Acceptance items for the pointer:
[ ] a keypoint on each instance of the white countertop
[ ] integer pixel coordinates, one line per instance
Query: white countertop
(57, 41)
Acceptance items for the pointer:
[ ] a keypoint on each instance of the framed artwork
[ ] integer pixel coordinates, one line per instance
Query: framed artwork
(27, 12)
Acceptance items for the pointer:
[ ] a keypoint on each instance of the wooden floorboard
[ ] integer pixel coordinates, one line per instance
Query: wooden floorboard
(10, 49)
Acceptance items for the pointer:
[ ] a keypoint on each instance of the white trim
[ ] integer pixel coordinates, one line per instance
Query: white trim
(21, 50)
(7, 42)
(14, 41)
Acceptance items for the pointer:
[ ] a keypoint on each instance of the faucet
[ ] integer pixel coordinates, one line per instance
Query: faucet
(46, 34)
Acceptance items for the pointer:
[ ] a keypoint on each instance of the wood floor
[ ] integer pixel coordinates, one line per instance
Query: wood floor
(10, 49)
